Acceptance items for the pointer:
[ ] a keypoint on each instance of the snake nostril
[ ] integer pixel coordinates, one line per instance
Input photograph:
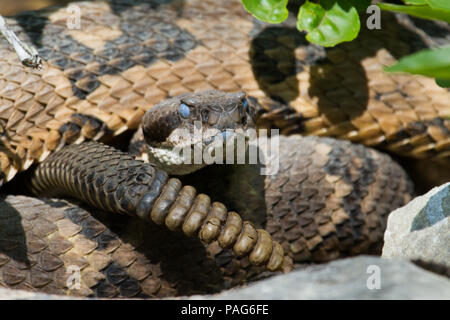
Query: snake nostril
(205, 115)
(244, 120)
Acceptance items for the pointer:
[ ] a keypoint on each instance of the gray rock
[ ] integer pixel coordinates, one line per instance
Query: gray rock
(10, 294)
(421, 229)
(352, 278)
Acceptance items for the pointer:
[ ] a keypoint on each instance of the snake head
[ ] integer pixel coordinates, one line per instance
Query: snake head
(192, 130)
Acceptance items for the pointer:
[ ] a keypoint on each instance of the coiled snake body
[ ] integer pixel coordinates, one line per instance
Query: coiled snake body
(330, 198)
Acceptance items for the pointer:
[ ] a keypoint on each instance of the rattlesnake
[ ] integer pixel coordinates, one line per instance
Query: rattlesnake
(129, 55)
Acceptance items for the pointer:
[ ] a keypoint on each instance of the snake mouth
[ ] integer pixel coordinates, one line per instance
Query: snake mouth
(189, 155)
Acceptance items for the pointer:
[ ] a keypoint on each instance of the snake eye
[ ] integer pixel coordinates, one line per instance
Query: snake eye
(245, 103)
(184, 111)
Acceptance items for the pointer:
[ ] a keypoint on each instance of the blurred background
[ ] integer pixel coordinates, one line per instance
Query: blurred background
(11, 7)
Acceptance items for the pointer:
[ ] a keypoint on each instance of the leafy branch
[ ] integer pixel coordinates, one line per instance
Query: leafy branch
(330, 22)
(432, 63)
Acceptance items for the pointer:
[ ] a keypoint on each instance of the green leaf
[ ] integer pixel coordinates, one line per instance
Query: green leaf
(439, 4)
(419, 2)
(310, 16)
(444, 83)
(424, 12)
(272, 11)
(329, 23)
(429, 62)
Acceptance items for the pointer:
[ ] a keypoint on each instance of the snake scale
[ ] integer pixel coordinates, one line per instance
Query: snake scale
(331, 198)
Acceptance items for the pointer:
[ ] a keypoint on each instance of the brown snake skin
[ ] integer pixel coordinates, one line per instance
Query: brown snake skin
(113, 181)
(329, 200)
(118, 257)
(129, 55)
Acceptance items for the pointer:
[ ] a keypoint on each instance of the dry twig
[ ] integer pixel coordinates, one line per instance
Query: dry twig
(27, 54)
